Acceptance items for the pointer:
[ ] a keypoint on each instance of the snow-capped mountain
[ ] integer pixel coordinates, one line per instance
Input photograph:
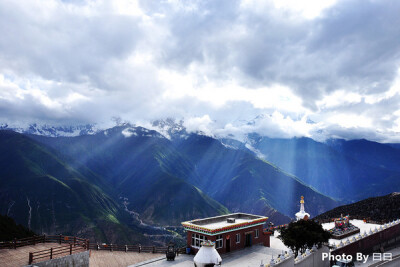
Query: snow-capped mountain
(170, 128)
(129, 130)
(52, 131)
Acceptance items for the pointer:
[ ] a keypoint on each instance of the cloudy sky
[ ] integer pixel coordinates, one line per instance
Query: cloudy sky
(316, 68)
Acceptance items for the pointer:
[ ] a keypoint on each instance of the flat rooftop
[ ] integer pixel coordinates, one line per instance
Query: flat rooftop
(224, 222)
(364, 227)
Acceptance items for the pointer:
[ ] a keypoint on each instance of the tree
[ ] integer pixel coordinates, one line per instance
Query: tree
(9, 229)
(303, 234)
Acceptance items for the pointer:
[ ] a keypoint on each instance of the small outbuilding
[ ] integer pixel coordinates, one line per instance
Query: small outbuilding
(228, 232)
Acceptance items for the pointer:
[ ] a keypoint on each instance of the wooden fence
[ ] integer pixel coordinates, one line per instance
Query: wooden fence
(61, 239)
(126, 248)
(75, 244)
(134, 248)
(51, 253)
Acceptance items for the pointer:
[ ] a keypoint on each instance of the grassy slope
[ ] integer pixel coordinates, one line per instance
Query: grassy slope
(144, 168)
(242, 182)
(40, 190)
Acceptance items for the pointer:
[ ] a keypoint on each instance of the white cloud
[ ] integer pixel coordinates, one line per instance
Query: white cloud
(339, 98)
(199, 124)
(393, 91)
(219, 94)
(273, 125)
(128, 7)
(309, 9)
(350, 120)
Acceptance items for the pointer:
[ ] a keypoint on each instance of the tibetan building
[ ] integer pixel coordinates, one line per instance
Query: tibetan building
(229, 232)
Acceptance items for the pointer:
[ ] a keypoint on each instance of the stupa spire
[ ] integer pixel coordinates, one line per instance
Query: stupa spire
(302, 214)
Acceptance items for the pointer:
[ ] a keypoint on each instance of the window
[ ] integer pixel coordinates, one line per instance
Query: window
(197, 240)
(256, 233)
(218, 242)
(237, 238)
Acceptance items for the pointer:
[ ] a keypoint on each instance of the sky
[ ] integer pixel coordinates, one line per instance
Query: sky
(281, 68)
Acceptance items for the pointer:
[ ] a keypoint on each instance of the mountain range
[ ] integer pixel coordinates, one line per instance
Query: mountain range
(345, 170)
(134, 184)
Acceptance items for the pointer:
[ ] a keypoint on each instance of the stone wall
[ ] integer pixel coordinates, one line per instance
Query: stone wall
(383, 237)
(75, 260)
(312, 259)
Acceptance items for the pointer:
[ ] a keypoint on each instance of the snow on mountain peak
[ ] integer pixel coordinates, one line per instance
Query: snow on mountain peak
(52, 131)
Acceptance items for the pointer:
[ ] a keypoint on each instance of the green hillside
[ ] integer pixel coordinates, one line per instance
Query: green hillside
(76, 185)
(241, 182)
(146, 169)
(43, 193)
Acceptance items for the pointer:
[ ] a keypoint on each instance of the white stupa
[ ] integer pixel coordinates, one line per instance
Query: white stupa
(207, 255)
(302, 214)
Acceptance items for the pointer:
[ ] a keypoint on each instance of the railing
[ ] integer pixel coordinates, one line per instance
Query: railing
(55, 252)
(134, 248)
(16, 243)
(76, 244)
(126, 248)
(61, 239)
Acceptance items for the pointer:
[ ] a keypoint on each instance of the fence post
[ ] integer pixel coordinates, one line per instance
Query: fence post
(126, 248)
(74, 241)
(70, 249)
(140, 248)
(51, 253)
(60, 238)
(15, 243)
(44, 238)
(154, 249)
(97, 246)
(88, 243)
(30, 257)
(111, 247)
(34, 237)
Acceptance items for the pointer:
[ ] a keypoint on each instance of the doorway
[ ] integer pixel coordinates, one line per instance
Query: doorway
(248, 240)
(228, 245)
